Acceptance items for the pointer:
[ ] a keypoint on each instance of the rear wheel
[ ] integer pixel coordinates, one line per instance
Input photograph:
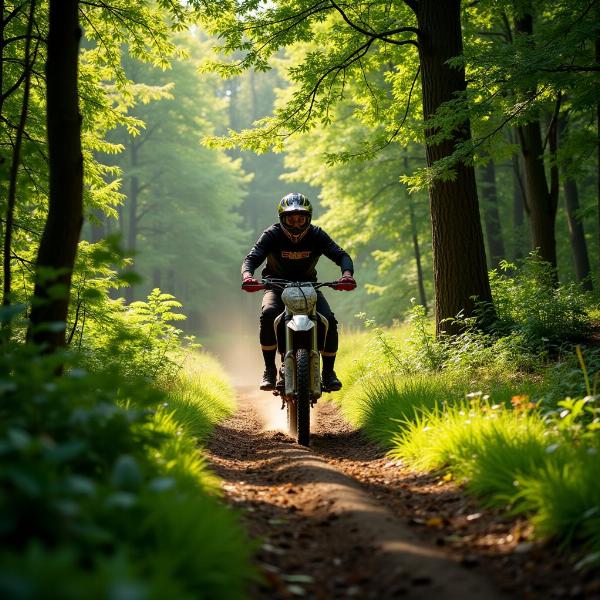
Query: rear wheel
(302, 407)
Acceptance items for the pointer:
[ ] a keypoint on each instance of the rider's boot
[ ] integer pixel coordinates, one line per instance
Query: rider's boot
(270, 375)
(328, 377)
(268, 381)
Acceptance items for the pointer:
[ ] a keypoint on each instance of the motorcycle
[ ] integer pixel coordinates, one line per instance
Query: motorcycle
(300, 384)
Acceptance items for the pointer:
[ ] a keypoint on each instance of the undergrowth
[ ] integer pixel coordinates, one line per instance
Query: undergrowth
(103, 490)
(511, 412)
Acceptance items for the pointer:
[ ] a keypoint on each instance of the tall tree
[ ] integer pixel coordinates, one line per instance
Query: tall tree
(459, 263)
(356, 31)
(542, 199)
(58, 247)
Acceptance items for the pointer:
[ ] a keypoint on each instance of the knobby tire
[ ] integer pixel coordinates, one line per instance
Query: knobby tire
(302, 405)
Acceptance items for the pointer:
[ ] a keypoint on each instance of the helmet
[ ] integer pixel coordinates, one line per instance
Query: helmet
(290, 208)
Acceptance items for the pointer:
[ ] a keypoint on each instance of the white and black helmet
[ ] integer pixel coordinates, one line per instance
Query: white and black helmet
(295, 204)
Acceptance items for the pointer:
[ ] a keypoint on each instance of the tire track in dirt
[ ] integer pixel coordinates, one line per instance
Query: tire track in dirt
(322, 535)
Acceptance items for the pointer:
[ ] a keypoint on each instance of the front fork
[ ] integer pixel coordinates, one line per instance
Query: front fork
(289, 362)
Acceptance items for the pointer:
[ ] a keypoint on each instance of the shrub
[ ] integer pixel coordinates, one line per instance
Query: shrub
(101, 492)
(528, 300)
(139, 339)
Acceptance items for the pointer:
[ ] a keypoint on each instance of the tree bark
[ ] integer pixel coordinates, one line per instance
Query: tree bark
(58, 246)
(16, 160)
(541, 201)
(417, 251)
(491, 215)
(576, 234)
(518, 211)
(459, 263)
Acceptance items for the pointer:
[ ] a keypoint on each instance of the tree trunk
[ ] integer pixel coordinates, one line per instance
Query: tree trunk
(417, 250)
(58, 247)
(541, 202)
(574, 222)
(577, 235)
(491, 215)
(16, 159)
(518, 212)
(459, 263)
(542, 209)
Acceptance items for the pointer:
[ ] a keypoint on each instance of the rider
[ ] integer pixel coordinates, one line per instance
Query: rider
(292, 248)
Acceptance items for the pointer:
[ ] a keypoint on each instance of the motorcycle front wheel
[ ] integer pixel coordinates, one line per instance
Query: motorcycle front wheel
(302, 404)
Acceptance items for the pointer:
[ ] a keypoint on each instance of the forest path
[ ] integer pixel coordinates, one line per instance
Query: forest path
(323, 534)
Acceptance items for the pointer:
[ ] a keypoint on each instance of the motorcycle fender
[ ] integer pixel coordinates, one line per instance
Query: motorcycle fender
(300, 323)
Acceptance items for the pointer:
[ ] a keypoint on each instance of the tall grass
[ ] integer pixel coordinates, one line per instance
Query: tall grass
(502, 433)
(488, 445)
(200, 396)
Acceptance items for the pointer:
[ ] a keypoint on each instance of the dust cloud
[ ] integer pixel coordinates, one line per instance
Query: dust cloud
(233, 338)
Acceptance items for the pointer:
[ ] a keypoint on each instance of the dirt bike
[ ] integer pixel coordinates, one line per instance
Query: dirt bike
(300, 385)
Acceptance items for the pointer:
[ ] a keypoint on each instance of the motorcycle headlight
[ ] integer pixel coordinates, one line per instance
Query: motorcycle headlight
(300, 300)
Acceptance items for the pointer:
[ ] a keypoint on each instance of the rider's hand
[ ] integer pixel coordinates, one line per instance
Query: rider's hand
(250, 284)
(346, 283)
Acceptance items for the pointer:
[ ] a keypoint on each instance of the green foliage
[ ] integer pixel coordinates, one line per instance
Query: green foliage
(515, 444)
(528, 301)
(139, 337)
(102, 492)
(182, 199)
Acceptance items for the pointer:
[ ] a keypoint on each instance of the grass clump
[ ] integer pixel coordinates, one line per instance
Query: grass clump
(199, 395)
(486, 444)
(545, 466)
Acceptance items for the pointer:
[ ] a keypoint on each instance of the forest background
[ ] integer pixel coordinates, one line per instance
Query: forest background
(188, 213)
(150, 153)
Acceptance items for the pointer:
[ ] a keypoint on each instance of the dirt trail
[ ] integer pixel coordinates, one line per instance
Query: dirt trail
(323, 534)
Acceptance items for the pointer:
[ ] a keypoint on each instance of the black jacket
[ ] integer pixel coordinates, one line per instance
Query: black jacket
(294, 261)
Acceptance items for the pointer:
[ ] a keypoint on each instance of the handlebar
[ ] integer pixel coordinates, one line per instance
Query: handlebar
(272, 283)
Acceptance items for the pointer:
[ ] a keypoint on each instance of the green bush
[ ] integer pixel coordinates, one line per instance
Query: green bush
(537, 458)
(528, 300)
(101, 494)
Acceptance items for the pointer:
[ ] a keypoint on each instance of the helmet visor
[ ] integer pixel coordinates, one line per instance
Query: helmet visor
(295, 220)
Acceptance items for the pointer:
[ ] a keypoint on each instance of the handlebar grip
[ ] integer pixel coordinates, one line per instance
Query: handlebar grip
(253, 287)
(345, 286)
